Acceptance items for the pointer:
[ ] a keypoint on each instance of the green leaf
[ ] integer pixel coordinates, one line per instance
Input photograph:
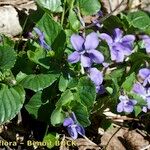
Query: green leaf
(39, 57)
(128, 83)
(81, 113)
(51, 139)
(73, 82)
(139, 20)
(89, 7)
(5, 40)
(65, 98)
(20, 76)
(53, 33)
(115, 88)
(73, 20)
(138, 98)
(38, 82)
(63, 83)
(86, 92)
(7, 57)
(51, 5)
(117, 73)
(57, 117)
(137, 110)
(34, 104)
(138, 55)
(11, 101)
(109, 90)
(112, 22)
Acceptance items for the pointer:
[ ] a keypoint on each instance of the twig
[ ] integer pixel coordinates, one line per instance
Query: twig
(111, 138)
(105, 17)
(62, 141)
(118, 118)
(109, 1)
(92, 143)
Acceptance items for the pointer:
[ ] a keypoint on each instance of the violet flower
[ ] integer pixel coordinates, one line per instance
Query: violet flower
(73, 127)
(120, 46)
(126, 104)
(41, 37)
(85, 50)
(146, 41)
(96, 21)
(144, 92)
(144, 73)
(97, 78)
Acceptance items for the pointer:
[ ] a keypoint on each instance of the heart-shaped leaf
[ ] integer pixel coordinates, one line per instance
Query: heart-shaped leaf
(11, 101)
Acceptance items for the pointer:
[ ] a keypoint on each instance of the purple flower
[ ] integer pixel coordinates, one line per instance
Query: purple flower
(119, 45)
(96, 21)
(73, 127)
(85, 50)
(97, 77)
(41, 37)
(146, 41)
(144, 73)
(144, 92)
(126, 104)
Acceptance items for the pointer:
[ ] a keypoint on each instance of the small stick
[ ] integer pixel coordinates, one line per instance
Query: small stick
(111, 138)
(105, 17)
(62, 141)
(92, 143)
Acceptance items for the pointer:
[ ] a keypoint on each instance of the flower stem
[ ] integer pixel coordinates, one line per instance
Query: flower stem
(82, 70)
(63, 13)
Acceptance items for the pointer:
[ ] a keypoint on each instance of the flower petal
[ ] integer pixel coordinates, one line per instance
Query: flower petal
(68, 121)
(38, 32)
(147, 45)
(123, 98)
(96, 76)
(100, 89)
(148, 103)
(80, 130)
(91, 41)
(46, 46)
(77, 42)
(128, 108)
(74, 117)
(117, 34)
(120, 107)
(127, 49)
(128, 38)
(146, 40)
(106, 37)
(139, 89)
(105, 64)
(144, 73)
(134, 102)
(96, 56)
(74, 57)
(144, 109)
(86, 61)
(117, 54)
(72, 131)
(146, 81)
